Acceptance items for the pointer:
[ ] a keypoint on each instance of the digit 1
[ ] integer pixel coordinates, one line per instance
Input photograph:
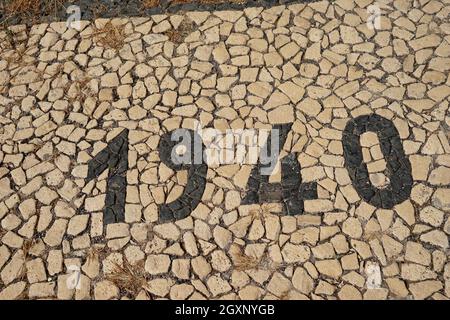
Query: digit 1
(114, 157)
(291, 191)
(193, 160)
(398, 167)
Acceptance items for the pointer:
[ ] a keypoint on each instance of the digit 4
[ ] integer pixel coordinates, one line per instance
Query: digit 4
(291, 192)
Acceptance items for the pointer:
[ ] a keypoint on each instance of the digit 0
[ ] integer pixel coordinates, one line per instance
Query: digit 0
(398, 167)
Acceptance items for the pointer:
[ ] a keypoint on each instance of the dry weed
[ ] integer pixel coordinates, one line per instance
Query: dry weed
(14, 51)
(95, 252)
(244, 262)
(26, 247)
(3, 232)
(21, 7)
(148, 4)
(183, 30)
(262, 212)
(208, 1)
(31, 11)
(110, 36)
(284, 295)
(82, 89)
(373, 235)
(129, 278)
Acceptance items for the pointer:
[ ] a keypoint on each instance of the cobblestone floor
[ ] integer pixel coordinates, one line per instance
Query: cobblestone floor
(92, 208)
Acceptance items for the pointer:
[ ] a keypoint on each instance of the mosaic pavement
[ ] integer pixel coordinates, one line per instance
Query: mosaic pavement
(358, 207)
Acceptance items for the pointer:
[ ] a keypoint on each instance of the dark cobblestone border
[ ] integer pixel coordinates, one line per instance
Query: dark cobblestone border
(131, 8)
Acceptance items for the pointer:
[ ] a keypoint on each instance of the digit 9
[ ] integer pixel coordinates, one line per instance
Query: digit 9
(183, 149)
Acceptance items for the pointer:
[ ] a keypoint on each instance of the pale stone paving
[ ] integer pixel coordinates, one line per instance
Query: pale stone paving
(64, 95)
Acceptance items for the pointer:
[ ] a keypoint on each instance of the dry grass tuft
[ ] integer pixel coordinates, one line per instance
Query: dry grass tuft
(183, 30)
(17, 57)
(208, 1)
(13, 46)
(222, 1)
(30, 11)
(8, 38)
(149, 4)
(23, 295)
(81, 89)
(26, 247)
(285, 295)
(95, 252)
(3, 232)
(262, 212)
(20, 7)
(15, 51)
(373, 235)
(110, 36)
(130, 278)
(181, 1)
(244, 262)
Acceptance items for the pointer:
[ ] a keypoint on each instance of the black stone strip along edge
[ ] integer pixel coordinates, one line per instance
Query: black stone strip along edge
(130, 8)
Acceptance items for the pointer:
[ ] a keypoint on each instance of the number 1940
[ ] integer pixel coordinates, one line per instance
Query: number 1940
(290, 191)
